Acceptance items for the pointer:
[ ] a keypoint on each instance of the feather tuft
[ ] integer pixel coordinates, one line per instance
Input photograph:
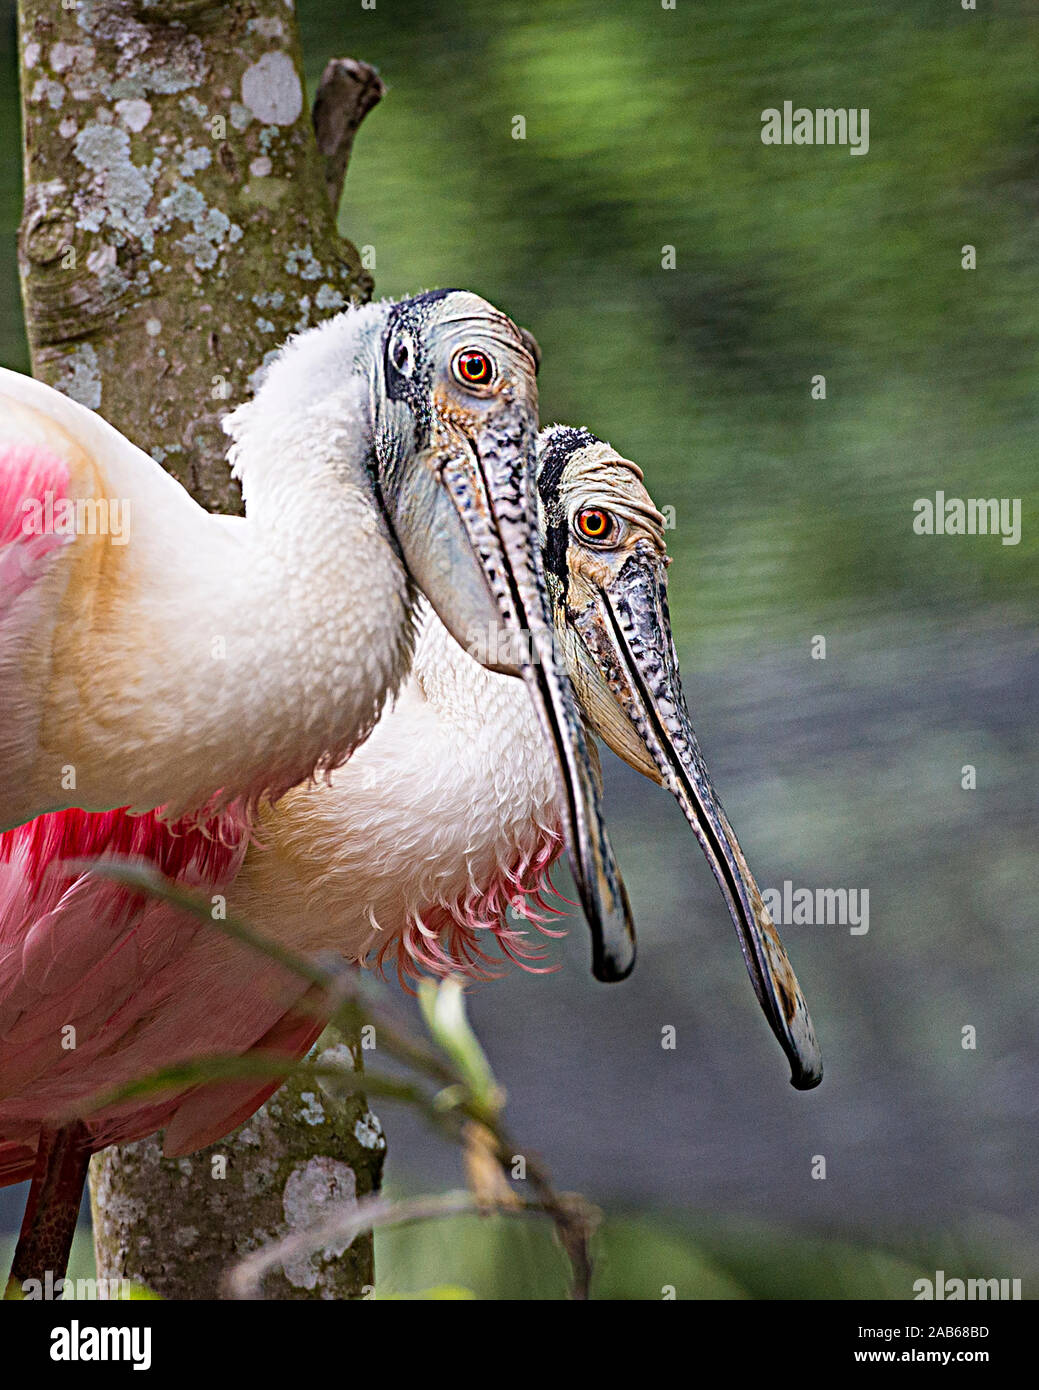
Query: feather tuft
(449, 938)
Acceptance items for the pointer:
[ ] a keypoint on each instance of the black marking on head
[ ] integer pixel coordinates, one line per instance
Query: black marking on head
(413, 385)
(428, 297)
(559, 447)
(371, 464)
(557, 544)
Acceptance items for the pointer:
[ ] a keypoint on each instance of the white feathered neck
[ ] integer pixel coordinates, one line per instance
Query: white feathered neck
(453, 791)
(219, 657)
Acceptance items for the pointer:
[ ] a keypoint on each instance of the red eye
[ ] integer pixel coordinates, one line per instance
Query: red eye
(473, 368)
(595, 524)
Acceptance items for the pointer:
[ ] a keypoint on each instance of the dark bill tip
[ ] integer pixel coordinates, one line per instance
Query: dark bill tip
(806, 1080)
(608, 970)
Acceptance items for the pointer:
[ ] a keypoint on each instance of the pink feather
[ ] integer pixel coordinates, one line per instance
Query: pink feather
(28, 474)
(145, 985)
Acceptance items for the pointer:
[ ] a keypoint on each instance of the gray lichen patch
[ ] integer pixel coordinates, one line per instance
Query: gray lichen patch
(191, 104)
(134, 112)
(78, 56)
(194, 160)
(270, 135)
(328, 297)
(268, 299)
(81, 376)
(304, 314)
(368, 1131)
(272, 91)
(311, 1112)
(320, 1184)
(121, 190)
(301, 261)
(211, 228)
(160, 58)
(46, 89)
(267, 26)
(101, 260)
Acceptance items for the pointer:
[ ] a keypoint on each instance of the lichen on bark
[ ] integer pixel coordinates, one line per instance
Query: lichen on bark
(176, 229)
(176, 1225)
(176, 225)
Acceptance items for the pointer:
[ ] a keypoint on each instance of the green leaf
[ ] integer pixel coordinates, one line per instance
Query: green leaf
(443, 1008)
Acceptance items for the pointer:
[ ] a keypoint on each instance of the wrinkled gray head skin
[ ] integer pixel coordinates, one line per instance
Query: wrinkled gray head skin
(606, 569)
(454, 407)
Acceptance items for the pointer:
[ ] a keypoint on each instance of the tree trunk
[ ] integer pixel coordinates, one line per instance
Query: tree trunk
(177, 227)
(177, 1224)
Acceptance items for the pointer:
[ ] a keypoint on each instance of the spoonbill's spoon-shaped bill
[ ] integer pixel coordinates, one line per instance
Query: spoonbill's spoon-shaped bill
(606, 565)
(480, 457)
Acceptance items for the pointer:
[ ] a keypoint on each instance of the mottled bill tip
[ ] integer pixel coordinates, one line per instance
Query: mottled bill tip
(599, 884)
(609, 968)
(613, 937)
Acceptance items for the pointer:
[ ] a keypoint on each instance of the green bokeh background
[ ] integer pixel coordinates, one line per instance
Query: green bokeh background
(793, 517)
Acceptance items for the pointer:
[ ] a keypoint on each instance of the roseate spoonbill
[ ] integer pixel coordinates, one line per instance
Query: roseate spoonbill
(447, 816)
(208, 663)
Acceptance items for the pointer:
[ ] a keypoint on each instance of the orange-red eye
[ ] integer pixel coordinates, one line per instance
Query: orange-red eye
(595, 524)
(473, 368)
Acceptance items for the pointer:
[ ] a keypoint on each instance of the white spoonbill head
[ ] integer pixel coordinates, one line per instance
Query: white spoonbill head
(456, 386)
(445, 386)
(606, 563)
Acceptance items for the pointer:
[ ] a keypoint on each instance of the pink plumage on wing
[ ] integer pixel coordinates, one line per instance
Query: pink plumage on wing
(29, 475)
(145, 985)
(100, 984)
